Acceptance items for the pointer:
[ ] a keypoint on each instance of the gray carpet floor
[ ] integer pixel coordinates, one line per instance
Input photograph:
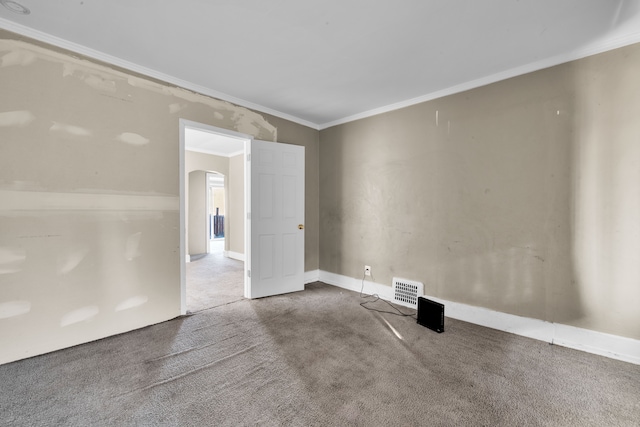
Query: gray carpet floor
(317, 358)
(213, 280)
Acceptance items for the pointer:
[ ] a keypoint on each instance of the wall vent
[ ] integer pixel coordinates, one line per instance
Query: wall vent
(406, 292)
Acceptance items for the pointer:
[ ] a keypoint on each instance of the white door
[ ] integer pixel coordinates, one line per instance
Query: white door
(275, 226)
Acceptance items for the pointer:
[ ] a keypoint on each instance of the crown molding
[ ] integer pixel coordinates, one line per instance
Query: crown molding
(131, 66)
(600, 46)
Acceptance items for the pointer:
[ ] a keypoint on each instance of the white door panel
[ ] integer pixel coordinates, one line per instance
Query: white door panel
(275, 227)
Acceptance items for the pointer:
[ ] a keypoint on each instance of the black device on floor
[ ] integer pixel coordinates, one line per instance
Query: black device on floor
(431, 314)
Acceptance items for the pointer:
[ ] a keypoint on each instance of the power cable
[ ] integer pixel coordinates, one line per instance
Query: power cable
(377, 298)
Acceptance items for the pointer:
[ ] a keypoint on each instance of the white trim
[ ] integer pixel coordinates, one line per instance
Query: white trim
(234, 255)
(607, 345)
(184, 257)
(600, 46)
(207, 220)
(593, 49)
(227, 133)
(215, 153)
(183, 124)
(247, 219)
(357, 285)
(131, 66)
(311, 276)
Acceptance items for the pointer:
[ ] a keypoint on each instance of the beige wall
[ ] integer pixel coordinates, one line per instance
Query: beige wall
(194, 161)
(233, 170)
(195, 220)
(89, 184)
(235, 218)
(197, 213)
(216, 200)
(521, 196)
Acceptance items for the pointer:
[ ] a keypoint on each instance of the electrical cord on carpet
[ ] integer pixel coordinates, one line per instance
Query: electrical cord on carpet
(377, 298)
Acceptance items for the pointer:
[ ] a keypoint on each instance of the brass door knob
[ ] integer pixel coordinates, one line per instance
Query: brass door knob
(300, 227)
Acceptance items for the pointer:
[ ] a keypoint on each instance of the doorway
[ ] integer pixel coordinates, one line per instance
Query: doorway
(273, 215)
(212, 216)
(216, 202)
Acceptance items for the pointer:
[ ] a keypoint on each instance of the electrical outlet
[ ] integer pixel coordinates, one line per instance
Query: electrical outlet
(367, 270)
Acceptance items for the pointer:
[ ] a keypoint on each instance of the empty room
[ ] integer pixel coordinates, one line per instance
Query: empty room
(431, 210)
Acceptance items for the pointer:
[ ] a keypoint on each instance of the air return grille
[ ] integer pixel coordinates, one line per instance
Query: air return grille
(406, 292)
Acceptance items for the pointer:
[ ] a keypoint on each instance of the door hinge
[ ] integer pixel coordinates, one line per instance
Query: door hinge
(248, 215)
(249, 157)
(248, 273)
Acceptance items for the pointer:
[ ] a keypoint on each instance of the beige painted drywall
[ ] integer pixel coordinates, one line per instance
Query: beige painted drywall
(197, 213)
(233, 170)
(217, 200)
(235, 217)
(521, 196)
(194, 161)
(89, 191)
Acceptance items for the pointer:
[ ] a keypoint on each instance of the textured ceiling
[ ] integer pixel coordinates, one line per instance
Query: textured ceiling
(324, 62)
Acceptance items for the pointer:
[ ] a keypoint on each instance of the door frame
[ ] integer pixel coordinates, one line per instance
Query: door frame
(183, 124)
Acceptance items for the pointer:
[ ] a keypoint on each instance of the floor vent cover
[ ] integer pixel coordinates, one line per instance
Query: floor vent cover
(406, 292)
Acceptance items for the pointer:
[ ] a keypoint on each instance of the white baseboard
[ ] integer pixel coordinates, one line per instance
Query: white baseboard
(311, 276)
(384, 292)
(234, 255)
(612, 346)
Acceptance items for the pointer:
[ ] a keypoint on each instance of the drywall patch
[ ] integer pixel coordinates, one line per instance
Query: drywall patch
(67, 263)
(10, 255)
(42, 201)
(11, 259)
(100, 83)
(247, 121)
(132, 302)
(70, 129)
(174, 108)
(19, 118)
(133, 139)
(246, 124)
(9, 269)
(80, 315)
(132, 247)
(232, 116)
(14, 308)
(106, 79)
(92, 76)
(17, 57)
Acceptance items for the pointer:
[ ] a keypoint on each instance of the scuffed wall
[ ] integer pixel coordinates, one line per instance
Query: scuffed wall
(89, 196)
(521, 196)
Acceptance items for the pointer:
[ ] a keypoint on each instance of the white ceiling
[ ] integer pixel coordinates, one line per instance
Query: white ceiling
(212, 143)
(324, 62)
